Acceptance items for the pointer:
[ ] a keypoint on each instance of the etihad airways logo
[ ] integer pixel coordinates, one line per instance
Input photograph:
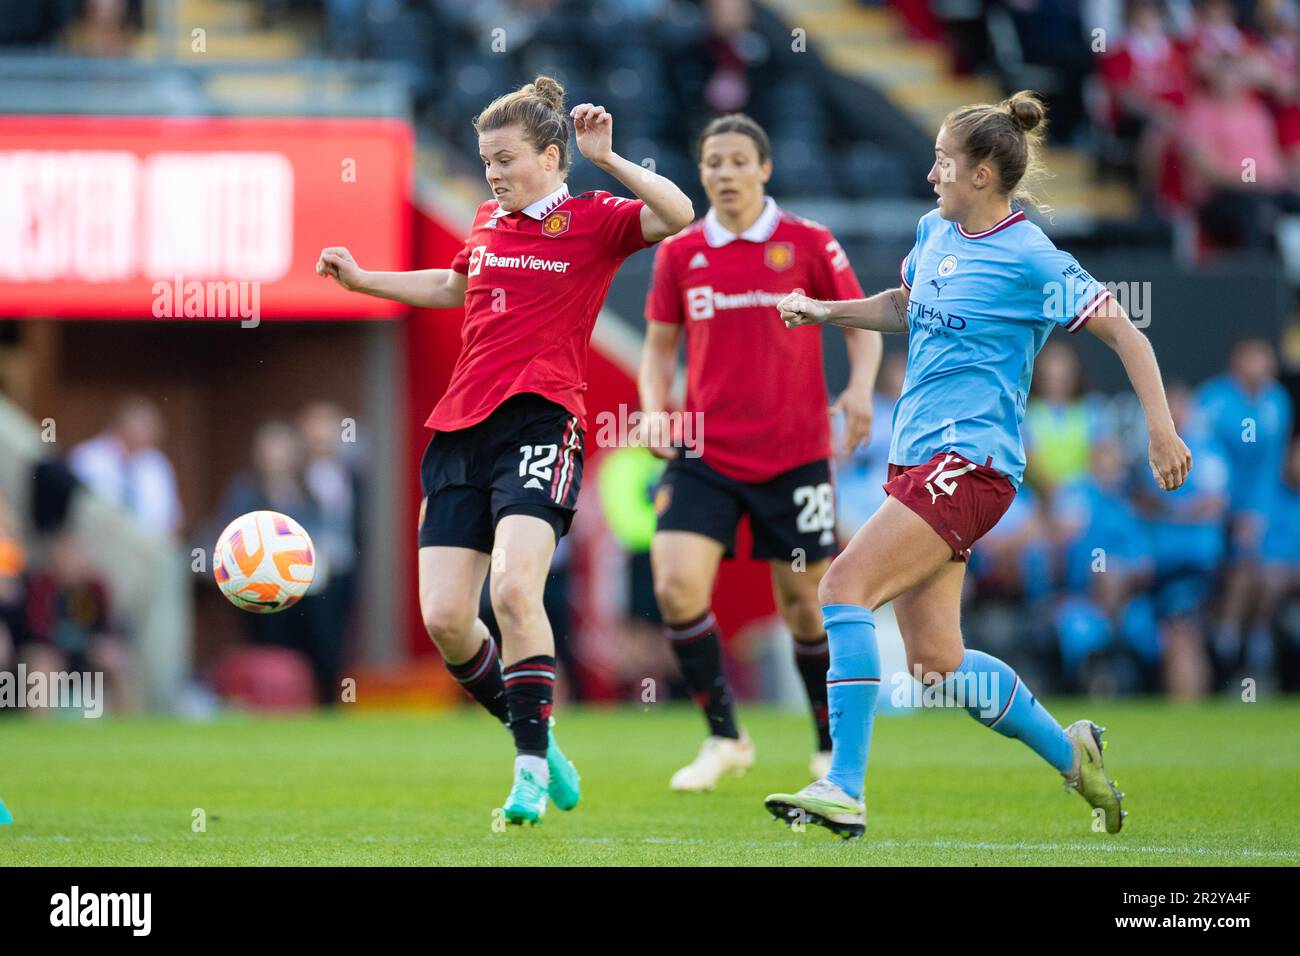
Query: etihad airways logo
(479, 258)
(702, 302)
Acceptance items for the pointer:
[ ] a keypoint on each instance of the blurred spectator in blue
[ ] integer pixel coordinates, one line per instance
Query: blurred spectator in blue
(346, 27)
(1106, 565)
(1014, 558)
(124, 465)
(1061, 423)
(1249, 413)
(1280, 560)
(1187, 544)
(860, 475)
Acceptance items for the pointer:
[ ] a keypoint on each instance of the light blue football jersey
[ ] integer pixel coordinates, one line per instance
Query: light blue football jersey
(1253, 431)
(982, 305)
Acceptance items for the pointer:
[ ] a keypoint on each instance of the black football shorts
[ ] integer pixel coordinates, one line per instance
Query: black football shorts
(524, 458)
(790, 514)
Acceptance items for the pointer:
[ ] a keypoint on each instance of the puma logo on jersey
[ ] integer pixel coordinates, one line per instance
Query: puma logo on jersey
(945, 478)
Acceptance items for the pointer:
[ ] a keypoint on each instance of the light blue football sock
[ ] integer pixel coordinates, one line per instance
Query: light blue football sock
(6, 817)
(995, 695)
(852, 686)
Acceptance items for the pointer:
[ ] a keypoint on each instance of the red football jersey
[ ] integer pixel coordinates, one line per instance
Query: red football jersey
(536, 281)
(760, 386)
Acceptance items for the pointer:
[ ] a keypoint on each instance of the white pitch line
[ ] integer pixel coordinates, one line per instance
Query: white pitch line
(959, 845)
(1242, 852)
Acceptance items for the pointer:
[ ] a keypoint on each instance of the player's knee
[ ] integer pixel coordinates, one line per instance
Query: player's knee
(841, 586)
(515, 600)
(448, 623)
(679, 597)
(803, 615)
(933, 664)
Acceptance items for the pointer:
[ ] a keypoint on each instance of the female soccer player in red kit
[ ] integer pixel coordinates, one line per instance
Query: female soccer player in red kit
(500, 476)
(761, 394)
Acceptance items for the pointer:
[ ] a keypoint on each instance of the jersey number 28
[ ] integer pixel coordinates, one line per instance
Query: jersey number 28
(817, 508)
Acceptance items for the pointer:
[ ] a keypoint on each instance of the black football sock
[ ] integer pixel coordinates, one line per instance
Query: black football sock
(481, 678)
(530, 689)
(814, 660)
(698, 649)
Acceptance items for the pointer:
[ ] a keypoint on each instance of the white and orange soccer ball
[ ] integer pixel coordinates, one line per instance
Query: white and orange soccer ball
(264, 562)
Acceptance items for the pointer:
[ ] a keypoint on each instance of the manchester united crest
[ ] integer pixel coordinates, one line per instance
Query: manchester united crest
(779, 255)
(556, 224)
(663, 497)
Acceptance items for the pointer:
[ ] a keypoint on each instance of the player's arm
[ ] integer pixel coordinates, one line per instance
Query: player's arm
(667, 209)
(1169, 457)
(857, 401)
(654, 379)
(884, 312)
(425, 289)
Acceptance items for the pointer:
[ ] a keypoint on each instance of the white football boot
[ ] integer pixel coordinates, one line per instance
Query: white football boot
(821, 803)
(718, 757)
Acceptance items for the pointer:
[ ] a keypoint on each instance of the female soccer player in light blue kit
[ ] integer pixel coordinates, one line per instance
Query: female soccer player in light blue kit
(981, 291)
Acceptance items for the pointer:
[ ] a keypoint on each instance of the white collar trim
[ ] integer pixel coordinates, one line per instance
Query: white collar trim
(541, 208)
(718, 235)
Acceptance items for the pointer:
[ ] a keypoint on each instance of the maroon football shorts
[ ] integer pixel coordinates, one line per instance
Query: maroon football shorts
(959, 499)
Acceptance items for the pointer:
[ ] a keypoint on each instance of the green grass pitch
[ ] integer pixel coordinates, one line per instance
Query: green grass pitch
(1207, 785)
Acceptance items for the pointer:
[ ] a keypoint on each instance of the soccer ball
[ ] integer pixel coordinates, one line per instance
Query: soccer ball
(264, 562)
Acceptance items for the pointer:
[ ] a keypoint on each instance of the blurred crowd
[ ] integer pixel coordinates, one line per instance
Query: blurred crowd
(1095, 581)
(306, 468)
(1103, 583)
(664, 68)
(57, 607)
(1198, 101)
(1211, 113)
(89, 27)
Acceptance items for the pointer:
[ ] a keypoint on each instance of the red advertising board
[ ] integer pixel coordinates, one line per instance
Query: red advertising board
(204, 218)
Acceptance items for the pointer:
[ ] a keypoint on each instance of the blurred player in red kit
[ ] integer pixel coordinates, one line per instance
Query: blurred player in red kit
(760, 395)
(501, 474)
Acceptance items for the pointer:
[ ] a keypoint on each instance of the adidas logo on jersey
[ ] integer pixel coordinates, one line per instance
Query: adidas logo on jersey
(699, 262)
(534, 483)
